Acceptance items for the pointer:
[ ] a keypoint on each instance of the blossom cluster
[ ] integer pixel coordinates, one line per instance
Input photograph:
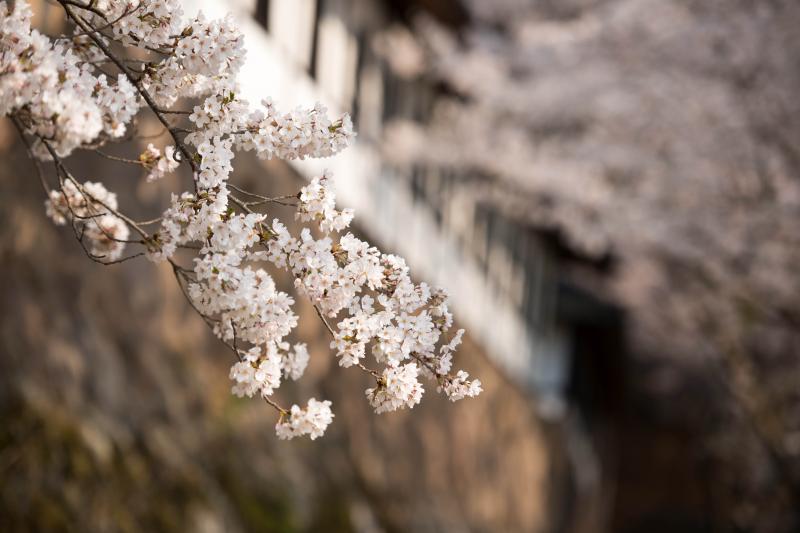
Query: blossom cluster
(157, 163)
(203, 59)
(317, 202)
(401, 321)
(88, 207)
(397, 387)
(295, 135)
(257, 374)
(142, 23)
(64, 101)
(54, 88)
(311, 421)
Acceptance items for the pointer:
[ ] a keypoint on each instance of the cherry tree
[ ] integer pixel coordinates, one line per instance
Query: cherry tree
(81, 91)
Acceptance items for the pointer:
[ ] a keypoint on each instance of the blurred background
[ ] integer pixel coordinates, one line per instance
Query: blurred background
(610, 191)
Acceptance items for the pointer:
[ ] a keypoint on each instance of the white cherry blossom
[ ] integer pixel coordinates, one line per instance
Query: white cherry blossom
(311, 421)
(56, 93)
(397, 388)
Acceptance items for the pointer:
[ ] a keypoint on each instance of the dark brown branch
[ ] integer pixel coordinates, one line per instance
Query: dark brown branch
(117, 158)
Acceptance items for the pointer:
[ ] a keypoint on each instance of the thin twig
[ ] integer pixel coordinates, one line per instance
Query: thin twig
(117, 158)
(88, 7)
(264, 199)
(151, 221)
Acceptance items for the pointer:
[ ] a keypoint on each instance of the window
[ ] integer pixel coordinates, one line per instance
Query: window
(262, 13)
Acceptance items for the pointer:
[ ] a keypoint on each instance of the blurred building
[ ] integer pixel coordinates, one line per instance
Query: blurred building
(503, 278)
(554, 341)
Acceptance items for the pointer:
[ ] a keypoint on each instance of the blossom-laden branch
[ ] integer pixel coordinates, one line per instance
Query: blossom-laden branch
(57, 94)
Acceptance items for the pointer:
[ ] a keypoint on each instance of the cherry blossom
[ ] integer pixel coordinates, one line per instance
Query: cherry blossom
(56, 94)
(311, 421)
(88, 208)
(159, 165)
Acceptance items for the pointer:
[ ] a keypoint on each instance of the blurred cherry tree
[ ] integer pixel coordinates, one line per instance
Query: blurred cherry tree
(664, 135)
